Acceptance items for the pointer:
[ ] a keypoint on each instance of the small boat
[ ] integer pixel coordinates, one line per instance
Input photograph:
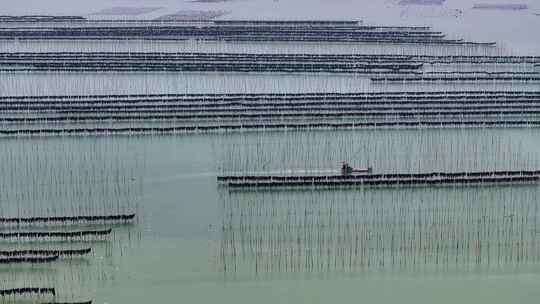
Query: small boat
(346, 169)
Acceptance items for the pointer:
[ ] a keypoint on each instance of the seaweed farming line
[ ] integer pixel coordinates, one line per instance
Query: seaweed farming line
(285, 96)
(226, 128)
(179, 113)
(119, 63)
(68, 219)
(84, 20)
(203, 68)
(527, 107)
(27, 291)
(256, 32)
(220, 56)
(297, 56)
(241, 178)
(41, 18)
(219, 30)
(390, 41)
(282, 57)
(148, 45)
(29, 260)
(387, 182)
(378, 71)
(263, 39)
(63, 235)
(454, 79)
(268, 39)
(347, 24)
(342, 105)
(183, 32)
(46, 252)
(390, 182)
(160, 34)
(385, 73)
(391, 116)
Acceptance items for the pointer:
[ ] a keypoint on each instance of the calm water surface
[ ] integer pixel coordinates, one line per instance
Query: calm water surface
(196, 242)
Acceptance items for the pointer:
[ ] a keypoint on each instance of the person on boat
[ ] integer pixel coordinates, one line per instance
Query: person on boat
(345, 168)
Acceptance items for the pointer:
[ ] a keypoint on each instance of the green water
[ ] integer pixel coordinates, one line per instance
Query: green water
(197, 242)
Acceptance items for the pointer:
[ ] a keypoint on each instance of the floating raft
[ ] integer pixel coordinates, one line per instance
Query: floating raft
(45, 252)
(29, 260)
(27, 291)
(68, 219)
(62, 235)
(435, 178)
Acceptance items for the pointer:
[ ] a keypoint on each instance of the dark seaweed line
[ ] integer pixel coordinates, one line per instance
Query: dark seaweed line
(270, 127)
(215, 56)
(208, 69)
(341, 22)
(262, 39)
(95, 218)
(323, 178)
(306, 37)
(272, 108)
(26, 33)
(184, 31)
(54, 234)
(11, 60)
(277, 56)
(213, 28)
(229, 34)
(96, 63)
(80, 19)
(262, 101)
(46, 252)
(41, 18)
(31, 260)
(322, 39)
(323, 104)
(131, 59)
(395, 182)
(432, 79)
(27, 290)
(225, 116)
(412, 94)
(281, 57)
